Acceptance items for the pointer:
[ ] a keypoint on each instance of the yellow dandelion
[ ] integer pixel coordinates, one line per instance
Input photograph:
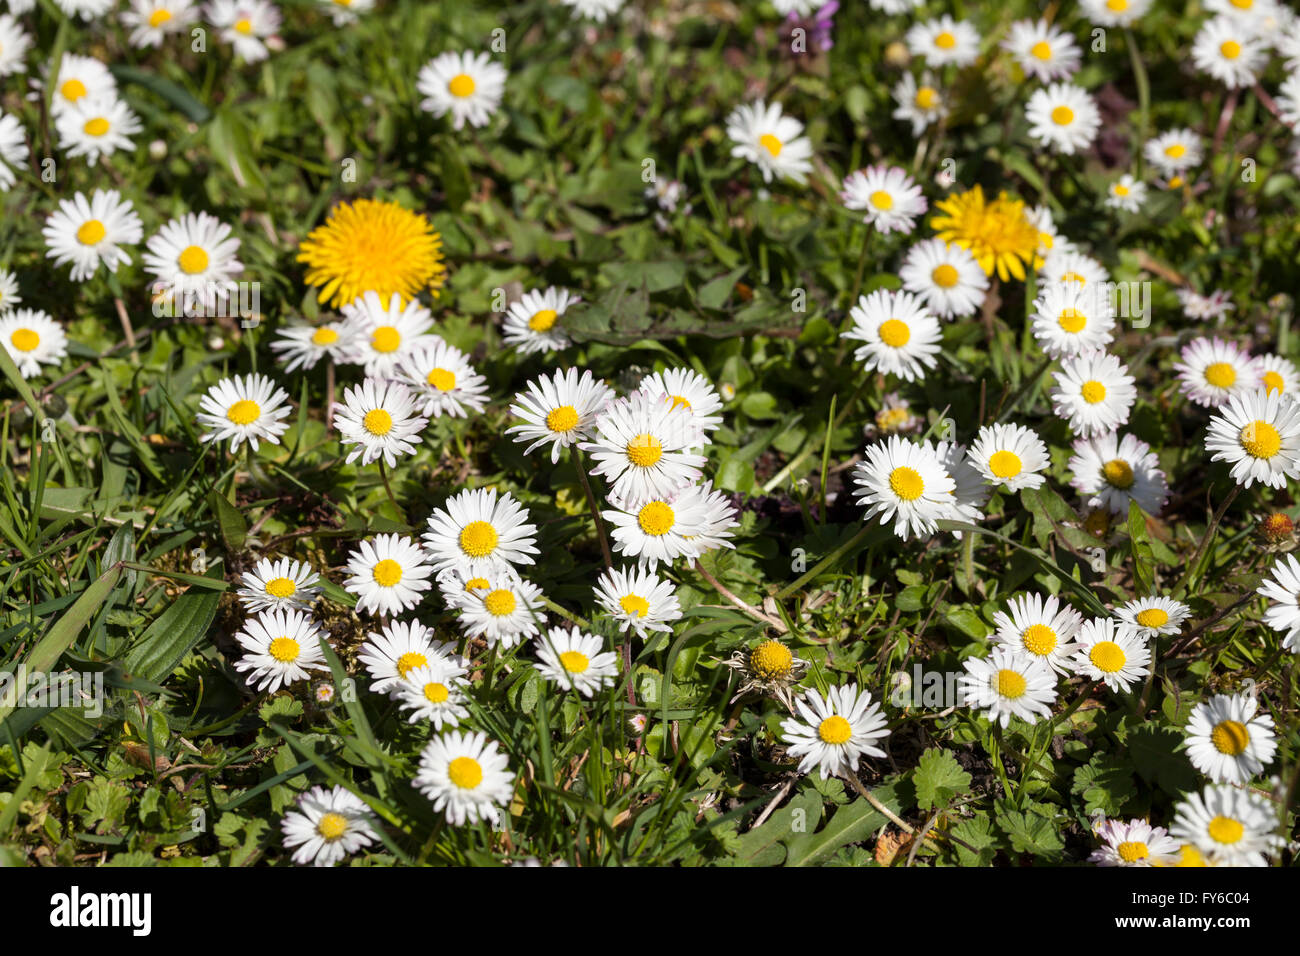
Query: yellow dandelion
(999, 234)
(373, 246)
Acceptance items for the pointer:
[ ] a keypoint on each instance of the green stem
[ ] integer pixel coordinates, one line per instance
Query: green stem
(1144, 95)
(825, 562)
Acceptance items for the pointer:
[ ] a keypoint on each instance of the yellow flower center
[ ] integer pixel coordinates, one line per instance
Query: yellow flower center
(385, 339)
(331, 826)
(644, 450)
(1230, 737)
(680, 402)
(1225, 829)
(25, 340)
(1093, 391)
(892, 419)
(409, 662)
(1261, 440)
(1230, 49)
(465, 772)
(1242, 4)
(476, 584)
(436, 693)
(771, 144)
(882, 200)
(926, 97)
(1116, 6)
(635, 605)
(1072, 321)
(1073, 276)
(1152, 617)
(894, 333)
(1011, 684)
(387, 573)
(1273, 382)
(542, 320)
(1005, 464)
(281, 588)
(563, 419)
(1131, 852)
(656, 518)
(944, 275)
(907, 483)
(378, 422)
(244, 26)
(284, 649)
(1175, 150)
(159, 17)
(73, 90)
(324, 337)
(97, 126)
(1062, 115)
(771, 660)
(461, 85)
(1188, 855)
(478, 539)
(500, 603)
(192, 260)
(945, 41)
(834, 730)
(1042, 50)
(1039, 639)
(244, 412)
(1108, 657)
(444, 380)
(1221, 375)
(575, 662)
(1120, 190)
(1118, 473)
(1175, 182)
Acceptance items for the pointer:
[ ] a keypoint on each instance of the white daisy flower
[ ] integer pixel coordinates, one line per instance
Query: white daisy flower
(1136, 843)
(946, 277)
(576, 661)
(639, 445)
(970, 492)
(533, 323)
(1230, 52)
(719, 519)
(1050, 239)
(944, 41)
(444, 380)
(1214, 370)
(1228, 740)
(1202, 308)
(32, 339)
(1277, 374)
(249, 408)
(434, 692)
(1152, 616)
(637, 598)
(478, 533)
(465, 776)
(388, 332)
(1042, 50)
(560, 409)
(13, 149)
(1012, 456)
(1070, 319)
(346, 12)
(302, 346)
(690, 390)
(504, 612)
(1174, 151)
(894, 7)
(1288, 100)
(467, 85)
(890, 198)
(280, 648)
(774, 142)
(901, 336)
(279, 585)
(1126, 194)
(327, 826)
(1094, 393)
(96, 126)
(1113, 652)
(1230, 827)
(89, 232)
(152, 21)
(85, 9)
(1040, 629)
(920, 103)
(598, 10)
(1064, 117)
(831, 734)
(9, 296)
(388, 574)
(14, 43)
(1282, 589)
(1109, 471)
(1071, 267)
(246, 25)
(686, 524)
(1258, 434)
(1115, 13)
(906, 483)
(399, 649)
(193, 259)
(81, 78)
(380, 419)
(1008, 684)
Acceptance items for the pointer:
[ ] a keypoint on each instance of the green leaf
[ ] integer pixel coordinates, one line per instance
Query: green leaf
(938, 778)
(853, 823)
(1155, 754)
(234, 529)
(714, 293)
(1105, 783)
(172, 635)
(1032, 831)
(178, 97)
(1143, 561)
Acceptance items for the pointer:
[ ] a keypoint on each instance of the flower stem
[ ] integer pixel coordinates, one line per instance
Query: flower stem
(383, 474)
(595, 509)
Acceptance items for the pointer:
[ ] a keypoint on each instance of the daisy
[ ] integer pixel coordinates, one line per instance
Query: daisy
(467, 85)
(193, 258)
(302, 346)
(1201, 308)
(94, 127)
(89, 232)
(905, 482)
(533, 323)
(637, 598)
(1277, 374)
(434, 692)
(1008, 684)
(943, 41)
(970, 493)
(901, 336)
(388, 332)
(1152, 616)
(478, 533)
(278, 585)
(598, 10)
(921, 104)
(504, 612)
(1041, 629)
(14, 42)
(246, 25)
(1175, 151)
(443, 378)
(9, 296)
(1070, 319)
(1113, 652)
(1230, 827)
(32, 339)
(465, 776)
(152, 21)
(576, 661)
(326, 826)
(717, 521)
(947, 277)
(380, 419)
(85, 9)
(1049, 237)
(890, 198)
(560, 409)
(1043, 51)
(772, 141)
(1094, 393)
(81, 78)
(1114, 13)
(1109, 471)
(831, 734)
(401, 648)
(685, 524)
(894, 7)
(1136, 843)
(1214, 370)
(1072, 267)
(13, 149)
(1229, 51)
(244, 409)
(347, 12)
(388, 574)
(768, 668)
(1258, 433)
(1064, 117)
(1282, 589)
(1126, 194)
(640, 446)
(1228, 740)
(1288, 100)
(1010, 455)
(689, 390)
(280, 648)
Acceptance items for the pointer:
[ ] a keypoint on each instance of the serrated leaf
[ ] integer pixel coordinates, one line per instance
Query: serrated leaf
(1105, 783)
(1031, 831)
(938, 778)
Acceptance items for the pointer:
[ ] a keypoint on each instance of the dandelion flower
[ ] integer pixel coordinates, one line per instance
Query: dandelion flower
(999, 234)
